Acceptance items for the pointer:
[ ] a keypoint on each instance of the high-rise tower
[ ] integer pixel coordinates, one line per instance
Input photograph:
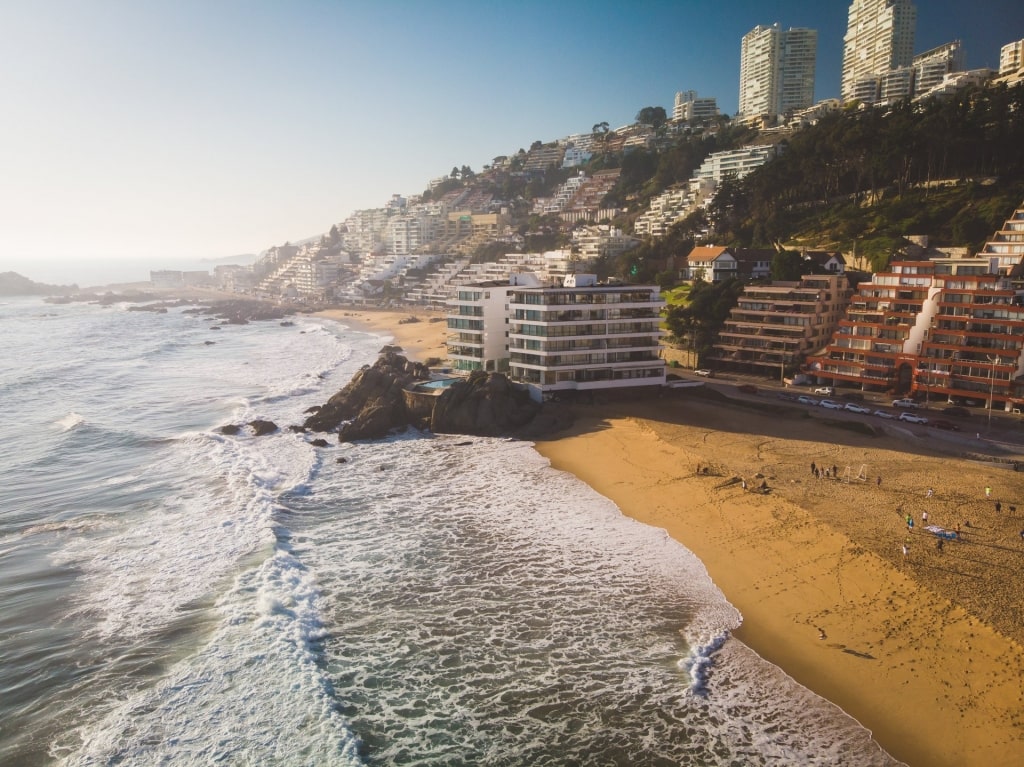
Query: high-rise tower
(879, 38)
(777, 70)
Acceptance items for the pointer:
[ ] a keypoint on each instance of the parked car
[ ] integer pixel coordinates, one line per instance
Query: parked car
(913, 418)
(884, 414)
(703, 372)
(803, 399)
(959, 412)
(904, 403)
(853, 407)
(830, 404)
(747, 388)
(947, 425)
(826, 390)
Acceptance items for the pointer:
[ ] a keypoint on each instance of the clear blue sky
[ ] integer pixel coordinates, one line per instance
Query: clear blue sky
(206, 128)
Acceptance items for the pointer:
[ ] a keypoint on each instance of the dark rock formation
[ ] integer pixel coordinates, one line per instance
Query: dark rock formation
(261, 427)
(372, 404)
(230, 429)
(486, 404)
(319, 442)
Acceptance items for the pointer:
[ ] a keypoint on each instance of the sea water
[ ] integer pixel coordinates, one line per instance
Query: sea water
(172, 595)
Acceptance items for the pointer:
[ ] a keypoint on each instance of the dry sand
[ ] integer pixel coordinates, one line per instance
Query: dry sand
(924, 650)
(421, 340)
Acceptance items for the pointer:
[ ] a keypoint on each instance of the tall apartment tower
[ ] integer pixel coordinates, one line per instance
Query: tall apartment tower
(879, 38)
(777, 70)
(1011, 57)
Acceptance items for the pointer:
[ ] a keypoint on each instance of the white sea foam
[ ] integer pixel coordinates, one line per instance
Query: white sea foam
(253, 695)
(70, 421)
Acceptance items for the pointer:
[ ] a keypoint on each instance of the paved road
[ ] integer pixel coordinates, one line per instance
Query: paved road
(1006, 432)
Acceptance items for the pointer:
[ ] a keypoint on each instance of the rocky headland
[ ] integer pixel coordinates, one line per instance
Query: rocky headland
(377, 402)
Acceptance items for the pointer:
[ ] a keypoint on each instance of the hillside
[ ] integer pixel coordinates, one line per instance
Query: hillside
(14, 284)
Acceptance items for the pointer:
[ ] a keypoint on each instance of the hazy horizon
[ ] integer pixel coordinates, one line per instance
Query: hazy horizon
(154, 133)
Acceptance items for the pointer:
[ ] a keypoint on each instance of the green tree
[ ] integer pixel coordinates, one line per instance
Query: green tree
(787, 266)
(653, 116)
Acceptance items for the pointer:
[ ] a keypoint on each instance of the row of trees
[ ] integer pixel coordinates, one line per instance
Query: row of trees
(859, 158)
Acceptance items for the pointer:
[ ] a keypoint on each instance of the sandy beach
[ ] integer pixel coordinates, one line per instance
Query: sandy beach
(420, 340)
(924, 647)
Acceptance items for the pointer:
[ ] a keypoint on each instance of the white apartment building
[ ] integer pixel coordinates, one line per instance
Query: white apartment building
(689, 107)
(1011, 58)
(478, 324)
(583, 335)
(593, 242)
(879, 37)
(931, 67)
(777, 69)
(895, 85)
(736, 163)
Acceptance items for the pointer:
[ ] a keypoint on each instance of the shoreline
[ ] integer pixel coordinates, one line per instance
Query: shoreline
(925, 652)
(419, 340)
(933, 683)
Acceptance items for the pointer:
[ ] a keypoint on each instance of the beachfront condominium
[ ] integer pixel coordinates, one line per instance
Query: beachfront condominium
(584, 335)
(777, 68)
(946, 328)
(780, 324)
(879, 38)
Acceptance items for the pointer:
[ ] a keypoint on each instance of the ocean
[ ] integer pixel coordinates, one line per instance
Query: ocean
(173, 596)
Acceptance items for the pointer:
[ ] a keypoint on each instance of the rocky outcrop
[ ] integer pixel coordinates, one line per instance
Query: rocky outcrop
(486, 404)
(372, 404)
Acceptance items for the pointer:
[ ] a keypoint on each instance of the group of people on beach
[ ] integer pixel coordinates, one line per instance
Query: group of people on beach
(824, 472)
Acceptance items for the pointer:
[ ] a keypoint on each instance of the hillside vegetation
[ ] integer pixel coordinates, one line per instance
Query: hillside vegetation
(949, 168)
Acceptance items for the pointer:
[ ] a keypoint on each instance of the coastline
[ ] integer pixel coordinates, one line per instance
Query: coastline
(926, 652)
(420, 340)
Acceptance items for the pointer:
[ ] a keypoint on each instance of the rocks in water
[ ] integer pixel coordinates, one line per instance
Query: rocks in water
(343, 459)
(209, 343)
(261, 427)
(373, 402)
(485, 404)
(319, 442)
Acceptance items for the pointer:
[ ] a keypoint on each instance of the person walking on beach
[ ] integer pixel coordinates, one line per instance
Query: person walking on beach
(814, 469)
(924, 517)
(906, 549)
(879, 480)
(988, 491)
(999, 507)
(930, 493)
(910, 524)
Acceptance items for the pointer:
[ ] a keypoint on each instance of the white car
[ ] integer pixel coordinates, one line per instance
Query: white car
(703, 372)
(913, 418)
(884, 414)
(905, 403)
(853, 407)
(826, 390)
(803, 399)
(830, 404)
